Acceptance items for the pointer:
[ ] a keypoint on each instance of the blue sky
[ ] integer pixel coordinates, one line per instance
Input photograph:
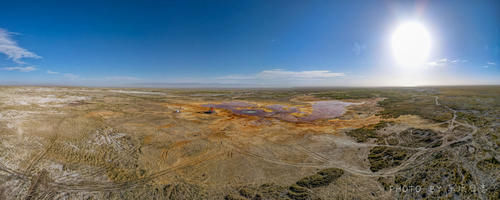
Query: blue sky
(243, 43)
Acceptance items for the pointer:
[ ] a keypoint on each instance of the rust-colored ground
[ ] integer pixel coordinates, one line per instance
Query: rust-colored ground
(112, 142)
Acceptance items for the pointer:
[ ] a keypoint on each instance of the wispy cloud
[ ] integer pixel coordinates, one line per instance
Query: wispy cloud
(237, 77)
(440, 62)
(280, 74)
(71, 76)
(65, 75)
(121, 78)
(358, 48)
(20, 69)
(488, 65)
(264, 78)
(13, 51)
(52, 72)
(445, 62)
(459, 61)
(108, 80)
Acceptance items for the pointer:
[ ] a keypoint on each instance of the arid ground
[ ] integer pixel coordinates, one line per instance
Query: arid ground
(302, 143)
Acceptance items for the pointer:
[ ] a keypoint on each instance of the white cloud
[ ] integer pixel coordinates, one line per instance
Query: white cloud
(280, 78)
(13, 51)
(358, 48)
(109, 80)
(489, 64)
(21, 69)
(440, 62)
(71, 76)
(121, 78)
(444, 62)
(458, 61)
(279, 74)
(433, 64)
(52, 72)
(237, 77)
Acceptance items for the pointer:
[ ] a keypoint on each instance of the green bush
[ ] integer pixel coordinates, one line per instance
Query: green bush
(362, 134)
(297, 192)
(385, 157)
(322, 178)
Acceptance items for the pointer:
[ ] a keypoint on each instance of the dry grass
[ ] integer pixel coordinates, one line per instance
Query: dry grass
(101, 143)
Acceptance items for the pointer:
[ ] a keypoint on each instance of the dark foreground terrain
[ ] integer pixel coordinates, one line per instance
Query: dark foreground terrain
(303, 143)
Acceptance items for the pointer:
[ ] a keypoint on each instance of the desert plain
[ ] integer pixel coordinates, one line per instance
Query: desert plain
(297, 143)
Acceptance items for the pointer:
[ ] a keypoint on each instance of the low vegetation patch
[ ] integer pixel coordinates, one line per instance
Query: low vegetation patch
(488, 164)
(322, 178)
(367, 132)
(362, 134)
(346, 94)
(473, 119)
(301, 190)
(414, 137)
(442, 169)
(264, 191)
(386, 157)
(297, 192)
(424, 106)
(234, 197)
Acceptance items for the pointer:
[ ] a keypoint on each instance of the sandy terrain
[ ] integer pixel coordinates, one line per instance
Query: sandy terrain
(74, 143)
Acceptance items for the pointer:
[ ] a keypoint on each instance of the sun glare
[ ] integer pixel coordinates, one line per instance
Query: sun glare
(411, 44)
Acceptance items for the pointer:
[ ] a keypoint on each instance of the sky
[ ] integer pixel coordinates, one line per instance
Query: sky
(244, 43)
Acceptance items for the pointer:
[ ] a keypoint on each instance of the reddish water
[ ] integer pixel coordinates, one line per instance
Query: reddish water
(321, 110)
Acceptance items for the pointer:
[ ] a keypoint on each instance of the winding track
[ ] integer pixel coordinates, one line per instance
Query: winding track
(324, 162)
(389, 172)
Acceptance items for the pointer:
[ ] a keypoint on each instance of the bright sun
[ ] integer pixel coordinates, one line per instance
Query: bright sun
(411, 44)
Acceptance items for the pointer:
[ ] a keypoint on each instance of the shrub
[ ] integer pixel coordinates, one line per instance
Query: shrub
(322, 178)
